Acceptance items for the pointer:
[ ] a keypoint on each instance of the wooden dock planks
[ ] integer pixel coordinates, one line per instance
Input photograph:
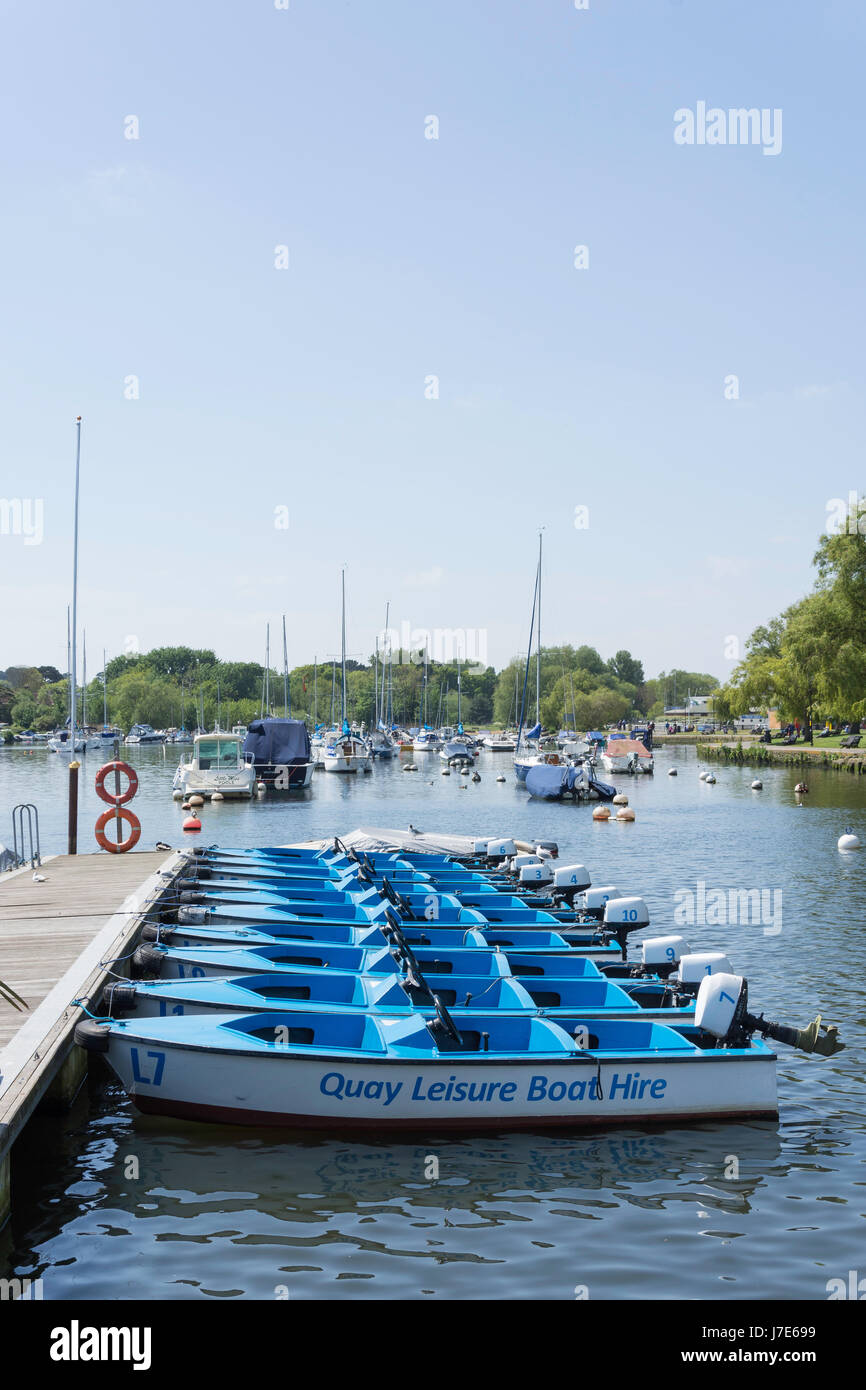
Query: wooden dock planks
(53, 936)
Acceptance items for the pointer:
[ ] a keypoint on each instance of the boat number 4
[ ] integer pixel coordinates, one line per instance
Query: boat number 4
(158, 1059)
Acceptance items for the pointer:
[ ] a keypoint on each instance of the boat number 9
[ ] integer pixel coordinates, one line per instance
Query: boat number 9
(158, 1060)
(670, 952)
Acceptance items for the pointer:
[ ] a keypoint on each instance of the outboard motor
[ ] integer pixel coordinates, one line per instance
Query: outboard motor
(593, 901)
(697, 965)
(624, 915)
(569, 880)
(535, 873)
(498, 850)
(722, 1011)
(660, 955)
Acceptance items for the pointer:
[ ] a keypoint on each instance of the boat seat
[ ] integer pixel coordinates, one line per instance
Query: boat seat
(284, 991)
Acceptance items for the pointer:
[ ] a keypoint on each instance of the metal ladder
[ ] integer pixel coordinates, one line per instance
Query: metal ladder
(35, 855)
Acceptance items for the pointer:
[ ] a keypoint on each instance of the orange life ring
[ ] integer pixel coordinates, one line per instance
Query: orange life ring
(118, 813)
(112, 798)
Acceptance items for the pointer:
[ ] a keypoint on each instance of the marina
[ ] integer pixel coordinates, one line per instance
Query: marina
(424, 869)
(251, 976)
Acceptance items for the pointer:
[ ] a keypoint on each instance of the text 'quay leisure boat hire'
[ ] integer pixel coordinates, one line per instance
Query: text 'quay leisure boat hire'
(302, 1069)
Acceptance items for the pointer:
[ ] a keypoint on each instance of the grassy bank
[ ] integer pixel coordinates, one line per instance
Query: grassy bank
(797, 755)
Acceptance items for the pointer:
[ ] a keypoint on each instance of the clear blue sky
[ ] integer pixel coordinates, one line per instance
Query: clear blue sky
(408, 257)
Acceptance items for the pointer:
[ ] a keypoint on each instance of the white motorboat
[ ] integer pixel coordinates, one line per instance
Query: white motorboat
(426, 741)
(144, 733)
(218, 764)
(626, 755)
(499, 743)
(345, 752)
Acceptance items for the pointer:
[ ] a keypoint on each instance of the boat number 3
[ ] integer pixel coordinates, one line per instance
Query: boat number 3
(158, 1059)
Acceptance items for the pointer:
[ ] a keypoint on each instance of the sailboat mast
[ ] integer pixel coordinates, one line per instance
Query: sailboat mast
(315, 691)
(285, 672)
(376, 685)
(538, 643)
(84, 685)
(333, 687)
(383, 711)
(343, 693)
(74, 688)
(104, 692)
(267, 670)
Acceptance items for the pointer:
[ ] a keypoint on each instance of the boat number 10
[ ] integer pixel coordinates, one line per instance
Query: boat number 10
(155, 1065)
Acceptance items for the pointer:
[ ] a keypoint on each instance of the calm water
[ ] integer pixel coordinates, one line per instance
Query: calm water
(219, 1213)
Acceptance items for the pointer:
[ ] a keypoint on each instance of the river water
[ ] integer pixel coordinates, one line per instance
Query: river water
(107, 1204)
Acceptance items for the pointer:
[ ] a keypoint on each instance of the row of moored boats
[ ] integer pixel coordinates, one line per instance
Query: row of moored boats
(323, 987)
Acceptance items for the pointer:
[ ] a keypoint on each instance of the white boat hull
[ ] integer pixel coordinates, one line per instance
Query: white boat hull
(267, 1088)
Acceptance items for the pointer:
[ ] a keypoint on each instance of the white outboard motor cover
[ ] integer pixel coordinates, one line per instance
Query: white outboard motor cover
(520, 860)
(480, 846)
(664, 950)
(500, 849)
(694, 968)
(536, 873)
(571, 876)
(717, 1002)
(595, 899)
(631, 912)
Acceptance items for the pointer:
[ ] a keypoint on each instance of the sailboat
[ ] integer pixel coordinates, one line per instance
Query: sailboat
(381, 743)
(459, 747)
(69, 740)
(426, 740)
(529, 751)
(343, 750)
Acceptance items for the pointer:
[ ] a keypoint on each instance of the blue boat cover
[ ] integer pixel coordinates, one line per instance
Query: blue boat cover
(277, 741)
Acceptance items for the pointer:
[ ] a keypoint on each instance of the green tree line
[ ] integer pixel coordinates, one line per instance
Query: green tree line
(173, 687)
(810, 661)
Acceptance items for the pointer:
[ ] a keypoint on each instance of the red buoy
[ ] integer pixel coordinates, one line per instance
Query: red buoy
(192, 823)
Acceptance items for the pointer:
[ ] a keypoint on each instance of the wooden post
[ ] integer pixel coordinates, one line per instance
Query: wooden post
(72, 840)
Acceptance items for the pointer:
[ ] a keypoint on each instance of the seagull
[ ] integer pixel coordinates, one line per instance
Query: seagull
(161, 845)
(413, 830)
(39, 878)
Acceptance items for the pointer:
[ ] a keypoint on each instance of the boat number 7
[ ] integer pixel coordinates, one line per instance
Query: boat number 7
(138, 1074)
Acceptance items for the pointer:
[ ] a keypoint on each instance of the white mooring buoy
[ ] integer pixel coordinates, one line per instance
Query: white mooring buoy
(757, 785)
(849, 840)
(672, 772)
(710, 779)
(500, 778)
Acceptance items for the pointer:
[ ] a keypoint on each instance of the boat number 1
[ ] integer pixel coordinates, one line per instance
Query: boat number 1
(138, 1074)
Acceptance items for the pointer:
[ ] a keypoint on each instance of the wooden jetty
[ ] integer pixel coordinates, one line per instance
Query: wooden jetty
(54, 934)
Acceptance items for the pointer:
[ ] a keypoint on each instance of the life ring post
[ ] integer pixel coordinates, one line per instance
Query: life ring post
(117, 808)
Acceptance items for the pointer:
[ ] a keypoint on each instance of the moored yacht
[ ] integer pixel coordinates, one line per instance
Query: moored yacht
(218, 764)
